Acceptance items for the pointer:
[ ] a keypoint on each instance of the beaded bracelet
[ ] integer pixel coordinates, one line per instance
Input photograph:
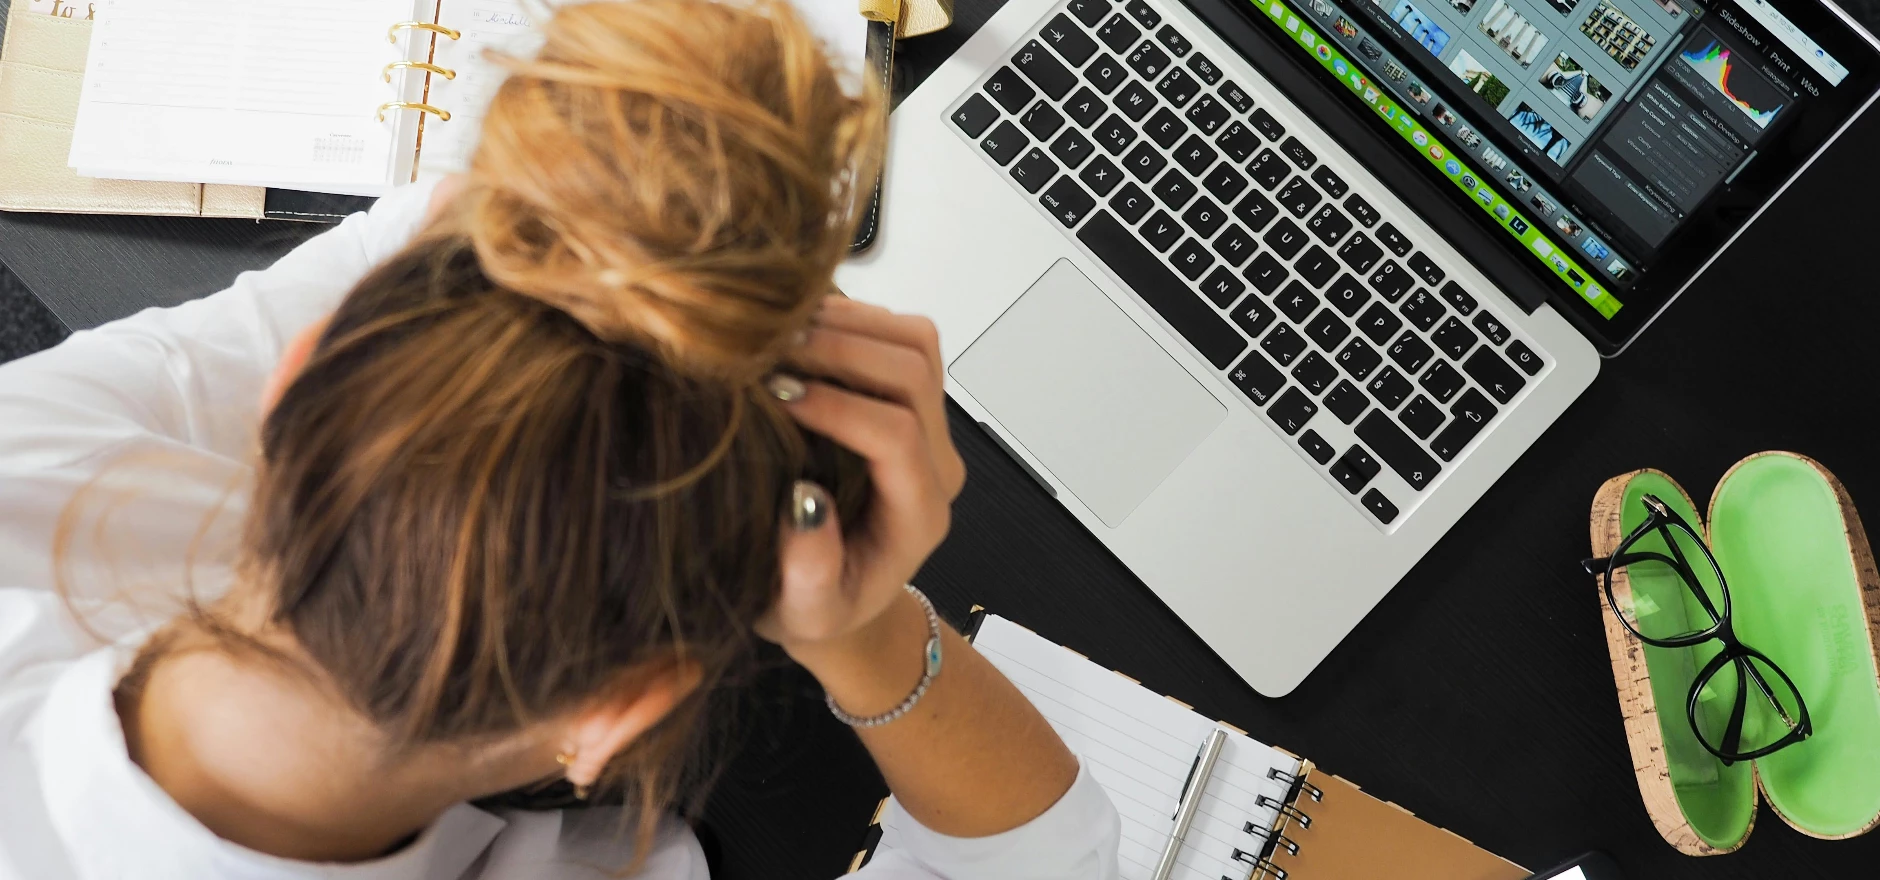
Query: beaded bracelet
(920, 690)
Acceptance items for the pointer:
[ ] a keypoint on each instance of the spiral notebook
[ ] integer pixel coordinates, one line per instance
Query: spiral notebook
(1263, 813)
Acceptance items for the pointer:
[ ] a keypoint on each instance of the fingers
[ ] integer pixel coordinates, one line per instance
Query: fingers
(841, 313)
(814, 595)
(913, 506)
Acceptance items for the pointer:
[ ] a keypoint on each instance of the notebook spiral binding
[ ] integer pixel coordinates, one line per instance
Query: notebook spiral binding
(1274, 841)
(1262, 865)
(391, 36)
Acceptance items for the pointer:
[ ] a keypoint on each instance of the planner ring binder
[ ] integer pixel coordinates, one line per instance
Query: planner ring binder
(1300, 781)
(442, 114)
(1262, 866)
(444, 72)
(391, 36)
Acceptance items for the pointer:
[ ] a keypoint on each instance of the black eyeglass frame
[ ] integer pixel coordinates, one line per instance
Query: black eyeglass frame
(1660, 517)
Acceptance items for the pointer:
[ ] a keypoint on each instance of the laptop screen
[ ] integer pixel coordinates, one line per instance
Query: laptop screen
(1619, 144)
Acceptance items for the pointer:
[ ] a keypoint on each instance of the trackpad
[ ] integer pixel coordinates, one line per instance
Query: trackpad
(1081, 387)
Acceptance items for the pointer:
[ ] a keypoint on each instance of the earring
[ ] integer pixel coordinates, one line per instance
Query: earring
(566, 759)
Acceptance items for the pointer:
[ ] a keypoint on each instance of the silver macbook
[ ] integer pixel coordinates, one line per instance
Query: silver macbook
(1267, 294)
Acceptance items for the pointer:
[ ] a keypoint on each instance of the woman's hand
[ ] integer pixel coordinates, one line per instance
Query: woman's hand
(838, 594)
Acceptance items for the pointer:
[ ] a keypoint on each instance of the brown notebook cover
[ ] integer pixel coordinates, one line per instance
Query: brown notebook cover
(1352, 834)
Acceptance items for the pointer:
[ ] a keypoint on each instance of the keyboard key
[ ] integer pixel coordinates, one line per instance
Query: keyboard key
(1266, 274)
(1422, 417)
(1191, 259)
(1326, 330)
(1090, 11)
(1209, 114)
(1135, 101)
(1361, 211)
(1256, 211)
(1194, 155)
(1004, 143)
(1161, 231)
(1044, 70)
(1346, 402)
(1035, 170)
(1131, 203)
(1238, 142)
(1204, 217)
(1009, 90)
(1397, 450)
(1178, 87)
(1491, 328)
(1380, 507)
(1285, 238)
(1390, 388)
(1297, 196)
(1175, 42)
(1147, 60)
(1523, 357)
(1145, 274)
(1393, 239)
(1315, 446)
(1390, 281)
(1235, 245)
(1165, 128)
(1354, 469)
(1284, 344)
(1333, 185)
(1257, 378)
(1423, 309)
(1222, 286)
(1379, 324)
(1360, 253)
(1085, 107)
(1494, 374)
(1328, 224)
(1115, 134)
(1268, 126)
(975, 116)
(1072, 148)
(1042, 120)
(1292, 410)
(1425, 268)
(1442, 381)
(1119, 33)
(1268, 169)
(1144, 163)
(1142, 12)
(1358, 359)
(1105, 74)
(1454, 338)
(1253, 315)
(1297, 152)
(1224, 183)
(1174, 189)
(1101, 175)
(1315, 373)
(1205, 69)
(1459, 298)
(1297, 302)
(1235, 95)
(1411, 353)
(1316, 266)
(1348, 295)
(1069, 40)
(1067, 201)
(1472, 412)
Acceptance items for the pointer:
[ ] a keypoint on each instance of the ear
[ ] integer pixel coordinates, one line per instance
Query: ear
(293, 358)
(612, 722)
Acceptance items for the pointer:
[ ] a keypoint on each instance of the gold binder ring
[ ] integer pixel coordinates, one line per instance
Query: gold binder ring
(391, 36)
(442, 114)
(444, 72)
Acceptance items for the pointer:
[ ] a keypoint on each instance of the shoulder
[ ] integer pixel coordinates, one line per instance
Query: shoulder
(589, 844)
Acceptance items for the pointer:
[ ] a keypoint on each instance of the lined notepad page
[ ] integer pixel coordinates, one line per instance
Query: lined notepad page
(257, 92)
(1140, 746)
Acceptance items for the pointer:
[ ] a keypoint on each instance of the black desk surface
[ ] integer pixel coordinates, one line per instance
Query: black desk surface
(1478, 694)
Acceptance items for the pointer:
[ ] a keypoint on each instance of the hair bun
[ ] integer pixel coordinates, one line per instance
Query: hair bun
(675, 174)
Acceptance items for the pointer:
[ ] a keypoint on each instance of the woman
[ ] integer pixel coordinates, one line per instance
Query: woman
(495, 487)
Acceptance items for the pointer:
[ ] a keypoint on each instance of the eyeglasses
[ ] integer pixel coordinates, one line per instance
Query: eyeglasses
(1741, 704)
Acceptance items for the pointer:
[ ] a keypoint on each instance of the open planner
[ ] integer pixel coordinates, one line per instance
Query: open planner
(1262, 813)
(336, 96)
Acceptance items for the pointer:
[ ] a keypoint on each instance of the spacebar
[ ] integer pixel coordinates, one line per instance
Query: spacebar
(1162, 289)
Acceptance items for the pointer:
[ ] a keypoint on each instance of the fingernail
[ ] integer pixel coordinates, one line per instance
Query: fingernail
(809, 506)
(786, 388)
(800, 338)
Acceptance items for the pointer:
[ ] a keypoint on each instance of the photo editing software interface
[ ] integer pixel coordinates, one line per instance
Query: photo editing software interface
(1590, 130)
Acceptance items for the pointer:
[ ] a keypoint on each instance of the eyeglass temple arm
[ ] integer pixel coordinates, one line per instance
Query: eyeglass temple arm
(1733, 732)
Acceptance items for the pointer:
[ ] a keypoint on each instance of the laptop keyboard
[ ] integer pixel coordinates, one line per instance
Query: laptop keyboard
(1324, 314)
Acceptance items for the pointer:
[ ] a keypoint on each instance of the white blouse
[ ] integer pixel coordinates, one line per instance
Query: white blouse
(154, 417)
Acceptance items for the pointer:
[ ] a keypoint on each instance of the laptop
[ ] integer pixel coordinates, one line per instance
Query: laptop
(1267, 293)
